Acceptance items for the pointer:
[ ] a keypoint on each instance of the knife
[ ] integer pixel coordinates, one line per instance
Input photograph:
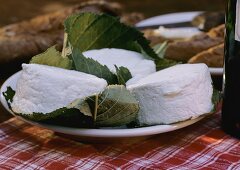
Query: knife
(169, 25)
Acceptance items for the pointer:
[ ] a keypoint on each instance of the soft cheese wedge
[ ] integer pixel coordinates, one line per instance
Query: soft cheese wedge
(135, 62)
(174, 94)
(43, 89)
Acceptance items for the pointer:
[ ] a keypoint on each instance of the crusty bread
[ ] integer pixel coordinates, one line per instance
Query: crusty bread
(28, 38)
(185, 49)
(217, 31)
(213, 57)
(20, 41)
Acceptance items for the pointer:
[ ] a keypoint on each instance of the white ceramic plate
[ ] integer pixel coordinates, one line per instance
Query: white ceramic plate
(169, 18)
(98, 133)
(176, 18)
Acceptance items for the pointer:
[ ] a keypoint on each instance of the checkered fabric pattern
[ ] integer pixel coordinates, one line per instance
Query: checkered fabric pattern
(199, 146)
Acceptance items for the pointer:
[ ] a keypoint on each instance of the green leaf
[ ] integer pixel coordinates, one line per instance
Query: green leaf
(9, 94)
(163, 63)
(88, 31)
(52, 57)
(123, 75)
(145, 44)
(216, 97)
(69, 117)
(116, 106)
(160, 49)
(90, 66)
(76, 114)
(82, 106)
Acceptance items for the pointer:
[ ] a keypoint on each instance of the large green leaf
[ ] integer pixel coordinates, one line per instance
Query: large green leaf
(88, 31)
(52, 57)
(116, 106)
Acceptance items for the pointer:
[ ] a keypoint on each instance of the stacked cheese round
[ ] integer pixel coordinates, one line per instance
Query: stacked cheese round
(135, 62)
(44, 89)
(174, 94)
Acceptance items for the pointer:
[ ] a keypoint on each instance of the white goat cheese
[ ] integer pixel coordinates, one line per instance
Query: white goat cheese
(44, 89)
(174, 94)
(135, 62)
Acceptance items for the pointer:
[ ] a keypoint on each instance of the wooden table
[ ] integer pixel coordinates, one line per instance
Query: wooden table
(13, 11)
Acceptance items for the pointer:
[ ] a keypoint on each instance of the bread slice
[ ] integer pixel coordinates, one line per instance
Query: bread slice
(186, 49)
(213, 57)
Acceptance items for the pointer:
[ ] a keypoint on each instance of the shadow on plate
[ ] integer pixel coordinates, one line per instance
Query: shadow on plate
(123, 140)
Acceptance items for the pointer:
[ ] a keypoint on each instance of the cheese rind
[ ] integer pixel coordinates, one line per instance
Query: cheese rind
(174, 94)
(44, 89)
(135, 62)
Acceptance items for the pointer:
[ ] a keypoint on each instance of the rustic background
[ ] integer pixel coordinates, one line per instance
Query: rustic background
(17, 10)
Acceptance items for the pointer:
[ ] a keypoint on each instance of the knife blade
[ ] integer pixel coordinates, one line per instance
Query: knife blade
(169, 25)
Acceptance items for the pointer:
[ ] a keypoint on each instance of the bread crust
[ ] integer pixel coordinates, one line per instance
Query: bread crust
(213, 57)
(20, 41)
(185, 49)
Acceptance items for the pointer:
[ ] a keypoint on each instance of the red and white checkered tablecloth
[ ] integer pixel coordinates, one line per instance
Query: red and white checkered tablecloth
(200, 146)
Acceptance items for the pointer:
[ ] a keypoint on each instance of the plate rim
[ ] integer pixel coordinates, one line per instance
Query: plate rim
(100, 133)
(216, 71)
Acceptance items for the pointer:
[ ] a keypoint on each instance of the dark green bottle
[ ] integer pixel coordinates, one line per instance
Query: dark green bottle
(231, 78)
